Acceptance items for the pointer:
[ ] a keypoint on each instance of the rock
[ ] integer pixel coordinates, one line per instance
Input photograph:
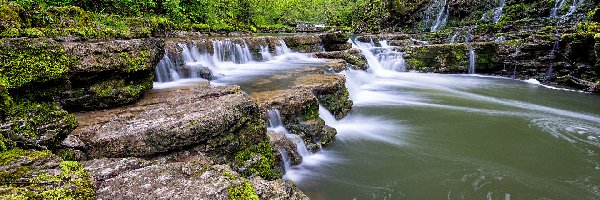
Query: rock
(337, 65)
(331, 91)
(39, 125)
(284, 145)
(277, 190)
(112, 73)
(184, 175)
(352, 56)
(303, 43)
(187, 71)
(220, 118)
(26, 174)
(337, 47)
(335, 41)
(446, 58)
(299, 109)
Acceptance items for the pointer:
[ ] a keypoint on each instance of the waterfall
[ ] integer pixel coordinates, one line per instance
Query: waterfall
(227, 51)
(557, 5)
(276, 127)
(453, 38)
(264, 52)
(498, 11)
(471, 61)
(381, 59)
(573, 8)
(166, 71)
(441, 10)
(282, 48)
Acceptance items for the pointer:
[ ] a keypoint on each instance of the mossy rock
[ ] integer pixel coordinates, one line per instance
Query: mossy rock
(446, 58)
(29, 174)
(32, 61)
(40, 125)
(11, 15)
(106, 94)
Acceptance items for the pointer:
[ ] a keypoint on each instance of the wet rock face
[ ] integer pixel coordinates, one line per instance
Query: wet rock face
(304, 43)
(352, 57)
(221, 119)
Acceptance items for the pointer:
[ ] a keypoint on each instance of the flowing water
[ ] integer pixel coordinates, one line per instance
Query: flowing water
(434, 136)
(439, 11)
(498, 11)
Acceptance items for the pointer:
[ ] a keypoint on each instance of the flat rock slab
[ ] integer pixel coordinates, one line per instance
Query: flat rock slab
(163, 121)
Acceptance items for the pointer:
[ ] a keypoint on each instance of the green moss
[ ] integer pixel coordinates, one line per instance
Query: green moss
(121, 88)
(34, 182)
(266, 163)
(310, 112)
(244, 191)
(137, 62)
(447, 58)
(38, 124)
(10, 15)
(32, 61)
(32, 33)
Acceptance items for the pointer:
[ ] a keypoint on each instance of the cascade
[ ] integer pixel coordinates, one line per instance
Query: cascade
(264, 52)
(557, 5)
(381, 59)
(453, 38)
(282, 48)
(498, 11)
(441, 15)
(471, 61)
(166, 71)
(276, 127)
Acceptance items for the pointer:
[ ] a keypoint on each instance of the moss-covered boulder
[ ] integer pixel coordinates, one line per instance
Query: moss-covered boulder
(39, 125)
(352, 57)
(445, 58)
(36, 68)
(28, 174)
(331, 91)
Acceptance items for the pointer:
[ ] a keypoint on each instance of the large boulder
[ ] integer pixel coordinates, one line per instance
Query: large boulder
(112, 73)
(184, 175)
(221, 118)
(303, 43)
(335, 41)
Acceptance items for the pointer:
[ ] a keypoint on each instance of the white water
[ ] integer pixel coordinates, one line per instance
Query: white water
(557, 5)
(229, 62)
(440, 9)
(380, 87)
(384, 58)
(498, 11)
(471, 61)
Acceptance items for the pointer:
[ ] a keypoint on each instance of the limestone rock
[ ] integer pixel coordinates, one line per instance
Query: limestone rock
(303, 43)
(221, 119)
(331, 91)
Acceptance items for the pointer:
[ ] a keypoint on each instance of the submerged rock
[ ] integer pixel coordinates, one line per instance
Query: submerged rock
(221, 119)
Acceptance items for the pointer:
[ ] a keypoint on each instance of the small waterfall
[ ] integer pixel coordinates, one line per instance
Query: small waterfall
(453, 38)
(264, 52)
(557, 5)
(573, 8)
(227, 51)
(276, 126)
(498, 11)
(471, 61)
(166, 71)
(381, 59)
(282, 48)
(440, 9)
